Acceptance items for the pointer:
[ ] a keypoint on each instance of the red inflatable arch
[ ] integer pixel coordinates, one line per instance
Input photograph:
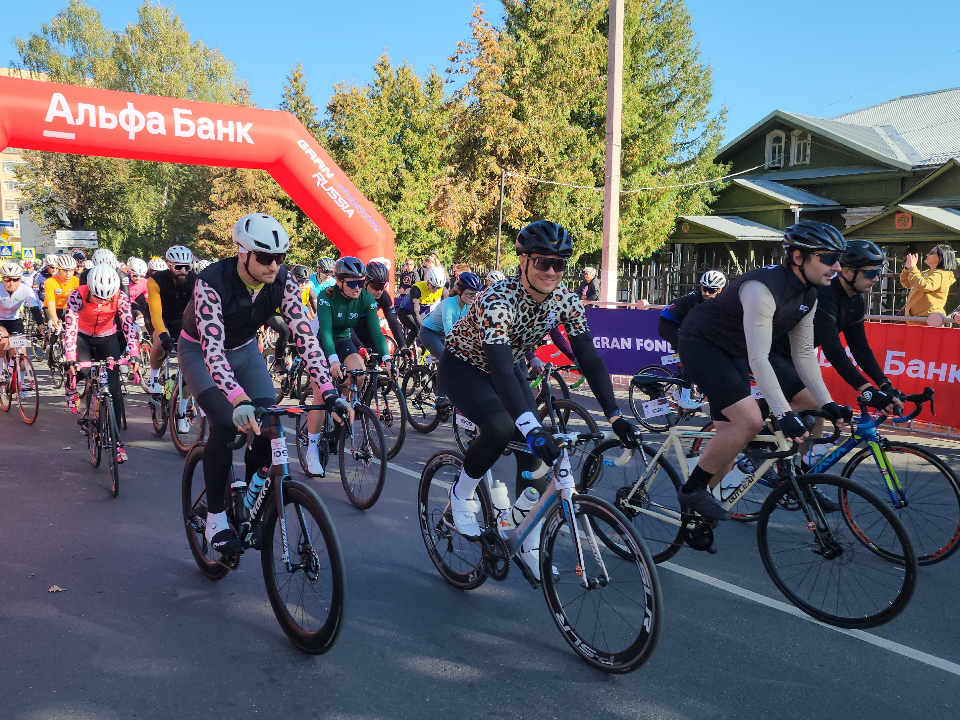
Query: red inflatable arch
(85, 121)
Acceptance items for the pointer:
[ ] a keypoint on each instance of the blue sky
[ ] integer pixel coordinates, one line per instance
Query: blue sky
(806, 57)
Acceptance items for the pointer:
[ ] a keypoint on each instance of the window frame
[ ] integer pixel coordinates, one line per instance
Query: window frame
(768, 154)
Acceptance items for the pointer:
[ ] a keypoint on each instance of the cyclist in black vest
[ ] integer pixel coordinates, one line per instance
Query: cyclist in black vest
(168, 294)
(722, 341)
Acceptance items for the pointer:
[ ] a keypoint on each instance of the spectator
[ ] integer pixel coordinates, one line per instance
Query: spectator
(431, 260)
(407, 277)
(448, 289)
(589, 290)
(928, 290)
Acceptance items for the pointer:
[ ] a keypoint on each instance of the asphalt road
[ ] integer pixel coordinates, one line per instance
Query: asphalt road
(138, 632)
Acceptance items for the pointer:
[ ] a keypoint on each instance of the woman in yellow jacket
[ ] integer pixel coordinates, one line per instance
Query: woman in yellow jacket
(928, 290)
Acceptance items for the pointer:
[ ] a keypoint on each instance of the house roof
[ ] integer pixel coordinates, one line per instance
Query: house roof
(951, 164)
(784, 194)
(736, 228)
(944, 217)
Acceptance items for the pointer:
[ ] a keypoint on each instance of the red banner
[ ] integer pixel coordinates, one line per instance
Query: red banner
(912, 357)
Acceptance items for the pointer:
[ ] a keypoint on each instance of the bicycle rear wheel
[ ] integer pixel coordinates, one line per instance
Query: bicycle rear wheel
(6, 395)
(56, 364)
(569, 417)
(363, 469)
(158, 412)
(931, 513)
(823, 564)
(196, 424)
(193, 501)
(657, 493)
(464, 431)
(458, 560)
(110, 440)
(145, 348)
(28, 390)
(93, 425)
(390, 407)
(557, 384)
(641, 393)
(614, 623)
(420, 389)
(308, 596)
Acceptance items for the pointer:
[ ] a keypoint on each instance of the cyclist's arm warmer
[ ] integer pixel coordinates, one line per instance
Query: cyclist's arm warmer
(325, 320)
(156, 306)
(856, 337)
(312, 299)
(376, 334)
(804, 353)
(561, 342)
(415, 307)
(356, 339)
(500, 361)
(209, 310)
(758, 308)
(594, 370)
(130, 328)
(291, 309)
(71, 325)
(827, 332)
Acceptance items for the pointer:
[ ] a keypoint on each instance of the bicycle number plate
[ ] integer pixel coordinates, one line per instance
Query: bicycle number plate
(18, 341)
(670, 359)
(140, 321)
(755, 392)
(278, 446)
(430, 360)
(465, 424)
(656, 408)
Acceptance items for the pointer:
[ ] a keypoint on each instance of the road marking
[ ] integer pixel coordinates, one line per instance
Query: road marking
(880, 642)
(403, 470)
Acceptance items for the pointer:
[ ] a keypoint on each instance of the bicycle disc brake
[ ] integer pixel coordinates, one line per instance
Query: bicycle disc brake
(698, 533)
(496, 555)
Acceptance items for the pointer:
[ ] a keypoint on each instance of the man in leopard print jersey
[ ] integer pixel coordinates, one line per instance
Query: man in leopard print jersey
(481, 370)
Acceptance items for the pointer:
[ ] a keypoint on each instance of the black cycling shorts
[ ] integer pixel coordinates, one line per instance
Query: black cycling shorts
(14, 327)
(345, 348)
(787, 375)
(670, 332)
(722, 377)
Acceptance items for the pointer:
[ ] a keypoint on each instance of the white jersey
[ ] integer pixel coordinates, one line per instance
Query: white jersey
(10, 302)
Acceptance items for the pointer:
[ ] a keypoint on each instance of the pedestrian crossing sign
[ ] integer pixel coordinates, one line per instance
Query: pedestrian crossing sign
(28, 253)
(6, 251)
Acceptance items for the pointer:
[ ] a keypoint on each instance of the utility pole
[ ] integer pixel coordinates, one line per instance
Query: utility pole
(611, 184)
(503, 177)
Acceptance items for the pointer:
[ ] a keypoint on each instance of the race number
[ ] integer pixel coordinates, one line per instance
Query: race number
(656, 408)
(465, 424)
(278, 447)
(755, 392)
(18, 341)
(670, 359)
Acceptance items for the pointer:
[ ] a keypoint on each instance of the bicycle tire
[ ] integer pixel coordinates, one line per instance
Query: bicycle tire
(27, 383)
(462, 435)
(612, 484)
(56, 364)
(390, 407)
(358, 456)
(634, 597)
(110, 431)
(571, 417)
(6, 396)
(420, 390)
(38, 345)
(93, 426)
(641, 394)
(846, 546)
(935, 534)
(145, 348)
(302, 382)
(194, 507)
(196, 420)
(315, 548)
(459, 561)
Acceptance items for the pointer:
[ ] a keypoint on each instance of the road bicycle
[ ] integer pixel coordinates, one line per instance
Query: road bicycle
(175, 401)
(55, 355)
(655, 396)
(359, 442)
(300, 554)
(854, 568)
(426, 405)
(606, 602)
(18, 380)
(99, 420)
(293, 380)
(381, 394)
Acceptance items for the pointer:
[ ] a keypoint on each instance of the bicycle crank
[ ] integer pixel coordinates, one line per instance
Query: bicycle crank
(496, 555)
(698, 533)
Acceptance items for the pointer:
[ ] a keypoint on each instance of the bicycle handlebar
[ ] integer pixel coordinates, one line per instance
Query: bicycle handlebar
(917, 400)
(783, 454)
(259, 412)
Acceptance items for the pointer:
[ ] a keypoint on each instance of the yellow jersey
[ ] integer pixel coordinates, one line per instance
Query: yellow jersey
(58, 290)
(427, 297)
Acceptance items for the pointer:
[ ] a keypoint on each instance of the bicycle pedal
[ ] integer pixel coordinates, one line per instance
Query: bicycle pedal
(231, 562)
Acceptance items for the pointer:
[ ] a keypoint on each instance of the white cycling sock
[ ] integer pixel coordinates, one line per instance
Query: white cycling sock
(465, 485)
(154, 374)
(314, 438)
(216, 522)
(685, 394)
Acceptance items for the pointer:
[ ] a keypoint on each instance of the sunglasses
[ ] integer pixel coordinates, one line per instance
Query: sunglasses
(709, 291)
(13, 279)
(872, 274)
(545, 264)
(181, 268)
(354, 284)
(829, 258)
(266, 259)
(375, 285)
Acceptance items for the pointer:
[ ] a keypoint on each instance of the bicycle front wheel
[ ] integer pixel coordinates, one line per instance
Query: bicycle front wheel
(464, 431)
(6, 395)
(642, 393)
(931, 496)
(92, 417)
(363, 469)
(389, 405)
(188, 426)
(823, 563)
(56, 364)
(145, 348)
(110, 440)
(614, 622)
(308, 592)
(28, 390)
(193, 501)
(420, 390)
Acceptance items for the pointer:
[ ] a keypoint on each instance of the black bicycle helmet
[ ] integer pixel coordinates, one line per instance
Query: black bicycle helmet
(325, 265)
(468, 281)
(861, 253)
(545, 238)
(349, 267)
(301, 272)
(377, 272)
(79, 255)
(813, 236)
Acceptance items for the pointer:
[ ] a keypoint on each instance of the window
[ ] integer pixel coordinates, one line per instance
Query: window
(774, 154)
(800, 146)
(10, 204)
(9, 167)
(9, 185)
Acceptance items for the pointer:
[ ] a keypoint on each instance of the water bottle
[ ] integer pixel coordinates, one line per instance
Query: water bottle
(528, 498)
(499, 497)
(256, 485)
(239, 500)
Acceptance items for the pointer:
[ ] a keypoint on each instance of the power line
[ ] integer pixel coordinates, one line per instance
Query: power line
(636, 190)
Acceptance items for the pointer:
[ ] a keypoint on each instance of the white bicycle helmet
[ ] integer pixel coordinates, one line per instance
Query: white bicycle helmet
(87, 264)
(257, 231)
(713, 279)
(156, 264)
(50, 260)
(495, 276)
(102, 255)
(179, 255)
(65, 262)
(137, 266)
(11, 269)
(103, 281)
(437, 276)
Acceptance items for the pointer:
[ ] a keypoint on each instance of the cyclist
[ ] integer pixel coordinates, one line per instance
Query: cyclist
(338, 310)
(421, 299)
(377, 278)
(722, 341)
(438, 324)
(90, 333)
(155, 265)
(40, 279)
(323, 277)
(101, 256)
(220, 362)
(480, 369)
(59, 287)
(495, 276)
(169, 292)
(14, 294)
(712, 283)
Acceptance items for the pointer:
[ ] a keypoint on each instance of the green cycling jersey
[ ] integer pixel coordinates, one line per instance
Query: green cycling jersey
(338, 314)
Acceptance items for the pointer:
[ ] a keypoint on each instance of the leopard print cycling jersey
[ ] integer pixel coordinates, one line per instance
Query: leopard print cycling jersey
(506, 314)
